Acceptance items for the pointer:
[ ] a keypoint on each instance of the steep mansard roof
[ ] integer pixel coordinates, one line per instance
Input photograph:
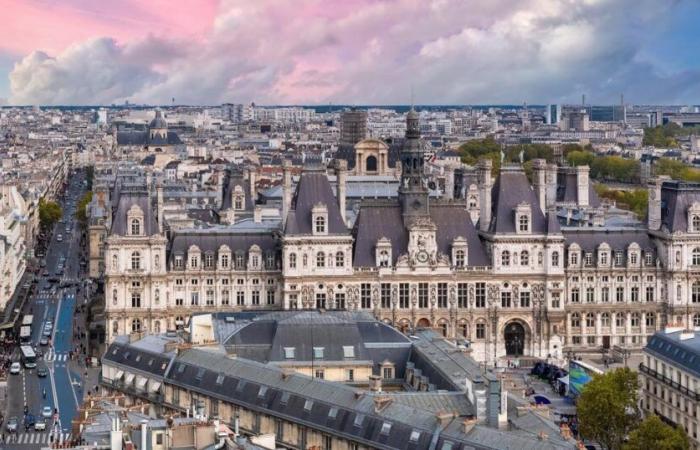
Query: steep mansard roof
(313, 188)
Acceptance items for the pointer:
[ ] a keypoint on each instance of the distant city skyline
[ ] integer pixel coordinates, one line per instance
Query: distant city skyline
(349, 52)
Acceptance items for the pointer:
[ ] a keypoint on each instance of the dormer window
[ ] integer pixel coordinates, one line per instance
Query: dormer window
(384, 258)
(254, 257)
(696, 223)
(555, 259)
(459, 258)
(340, 259)
(319, 219)
(618, 258)
(694, 218)
(573, 258)
(292, 260)
(589, 259)
(523, 218)
(459, 252)
(383, 252)
(505, 258)
(135, 227)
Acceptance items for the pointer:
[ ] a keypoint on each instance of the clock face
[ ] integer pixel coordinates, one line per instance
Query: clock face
(416, 204)
(422, 256)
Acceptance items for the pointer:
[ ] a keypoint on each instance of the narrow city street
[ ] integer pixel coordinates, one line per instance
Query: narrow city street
(60, 295)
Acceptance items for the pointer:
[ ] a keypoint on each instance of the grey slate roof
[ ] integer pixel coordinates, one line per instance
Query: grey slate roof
(676, 198)
(126, 201)
(313, 188)
(385, 220)
(589, 240)
(143, 138)
(567, 190)
(231, 180)
(127, 355)
(512, 188)
(347, 152)
(669, 346)
(210, 240)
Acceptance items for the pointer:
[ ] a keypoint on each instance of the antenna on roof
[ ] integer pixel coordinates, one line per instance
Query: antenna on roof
(411, 95)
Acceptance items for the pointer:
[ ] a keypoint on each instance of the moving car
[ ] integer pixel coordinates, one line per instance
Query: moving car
(46, 412)
(12, 424)
(40, 426)
(44, 341)
(42, 372)
(29, 421)
(15, 368)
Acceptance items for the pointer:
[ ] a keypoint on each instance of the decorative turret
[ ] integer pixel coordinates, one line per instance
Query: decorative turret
(413, 192)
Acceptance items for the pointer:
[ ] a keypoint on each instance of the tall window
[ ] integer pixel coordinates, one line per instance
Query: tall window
(292, 260)
(386, 295)
(136, 325)
(366, 295)
(383, 258)
(320, 224)
(422, 295)
(590, 320)
(224, 261)
(481, 331)
(696, 223)
(575, 295)
(208, 261)
(135, 260)
(194, 261)
(555, 259)
(459, 258)
(320, 300)
(505, 258)
(696, 257)
(575, 320)
(135, 227)
(650, 293)
(403, 295)
(695, 292)
(605, 319)
(135, 300)
(523, 223)
(320, 259)
(696, 320)
(480, 295)
(462, 294)
(340, 259)
(524, 299)
(506, 299)
(524, 258)
(442, 295)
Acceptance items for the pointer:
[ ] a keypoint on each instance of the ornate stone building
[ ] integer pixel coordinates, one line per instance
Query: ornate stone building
(511, 268)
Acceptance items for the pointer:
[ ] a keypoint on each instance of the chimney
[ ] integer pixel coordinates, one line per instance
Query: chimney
(449, 182)
(341, 174)
(144, 424)
(375, 383)
(381, 402)
(539, 167)
(257, 214)
(252, 180)
(286, 190)
(654, 214)
(444, 418)
(160, 208)
(468, 425)
(551, 181)
(582, 185)
(483, 172)
(115, 435)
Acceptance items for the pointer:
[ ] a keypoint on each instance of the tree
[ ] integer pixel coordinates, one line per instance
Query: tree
(81, 209)
(49, 213)
(653, 433)
(607, 408)
(580, 158)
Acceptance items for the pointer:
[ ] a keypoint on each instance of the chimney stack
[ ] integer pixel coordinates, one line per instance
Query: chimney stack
(286, 190)
(539, 167)
(252, 180)
(582, 185)
(483, 171)
(160, 208)
(341, 174)
(449, 182)
(375, 383)
(551, 181)
(654, 215)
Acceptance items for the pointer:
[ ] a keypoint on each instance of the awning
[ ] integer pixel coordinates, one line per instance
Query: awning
(129, 378)
(119, 375)
(564, 380)
(141, 382)
(154, 386)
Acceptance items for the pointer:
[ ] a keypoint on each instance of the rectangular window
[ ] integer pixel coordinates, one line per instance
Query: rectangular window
(178, 262)
(388, 373)
(224, 297)
(319, 373)
(506, 299)
(195, 298)
(620, 294)
(386, 295)
(210, 298)
(270, 297)
(605, 295)
(525, 299)
(442, 295)
(575, 297)
(480, 299)
(256, 297)
(240, 298)
(340, 300)
(422, 295)
(350, 375)
(462, 295)
(403, 295)
(224, 261)
(320, 300)
(481, 331)
(366, 295)
(556, 299)
(179, 302)
(650, 294)
(590, 295)
(634, 294)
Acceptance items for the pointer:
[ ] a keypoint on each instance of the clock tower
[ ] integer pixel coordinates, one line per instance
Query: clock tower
(413, 191)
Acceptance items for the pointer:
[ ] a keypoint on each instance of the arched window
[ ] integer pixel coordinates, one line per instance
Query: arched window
(114, 296)
(156, 296)
(555, 259)
(115, 262)
(320, 259)
(371, 165)
(135, 325)
(696, 224)
(115, 327)
(696, 320)
(443, 328)
(620, 320)
(695, 292)
(605, 319)
(590, 320)
(156, 326)
(459, 258)
(524, 258)
(463, 329)
(523, 223)
(156, 261)
(505, 258)
(135, 227)
(635, 319)
(575, 320)
(320, 224)
(292, 260)
(696, 257)
(340, 259)
(136, 261)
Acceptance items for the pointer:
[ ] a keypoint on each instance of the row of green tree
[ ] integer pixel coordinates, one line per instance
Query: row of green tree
(49, 213)
(635, 200)
(666, 135)
(474, 150)
(608, 413)
(604, 167)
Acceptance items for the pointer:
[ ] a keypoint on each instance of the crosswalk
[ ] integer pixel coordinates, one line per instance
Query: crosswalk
(51, 355)
(37, 438)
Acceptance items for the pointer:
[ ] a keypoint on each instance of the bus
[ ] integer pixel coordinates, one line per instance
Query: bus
(25, 334)
(28, 356)
(27, 320)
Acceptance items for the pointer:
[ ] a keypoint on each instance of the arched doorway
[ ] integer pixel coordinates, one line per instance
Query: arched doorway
(371, 164)
(514, 336)
(423, 323)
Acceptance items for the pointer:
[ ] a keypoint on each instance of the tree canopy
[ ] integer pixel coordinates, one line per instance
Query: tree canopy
(474, 150)
(635, 200)
(676, 169)
(615, 168)
(653, 433)
(607, 408)
(49, 213)
(81, 209)
(580, 158)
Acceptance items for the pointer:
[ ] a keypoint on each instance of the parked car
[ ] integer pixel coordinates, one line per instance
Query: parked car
(44, 341)
(15, 368)
(40, 426)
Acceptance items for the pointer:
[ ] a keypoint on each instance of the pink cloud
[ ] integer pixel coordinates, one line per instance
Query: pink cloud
(53, 26)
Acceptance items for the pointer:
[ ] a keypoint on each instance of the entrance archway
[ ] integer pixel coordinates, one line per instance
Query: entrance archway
(514, 336)
(371, 164)
(423, 323)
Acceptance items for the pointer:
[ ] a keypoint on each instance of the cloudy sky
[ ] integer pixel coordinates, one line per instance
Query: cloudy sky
(349, 51)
